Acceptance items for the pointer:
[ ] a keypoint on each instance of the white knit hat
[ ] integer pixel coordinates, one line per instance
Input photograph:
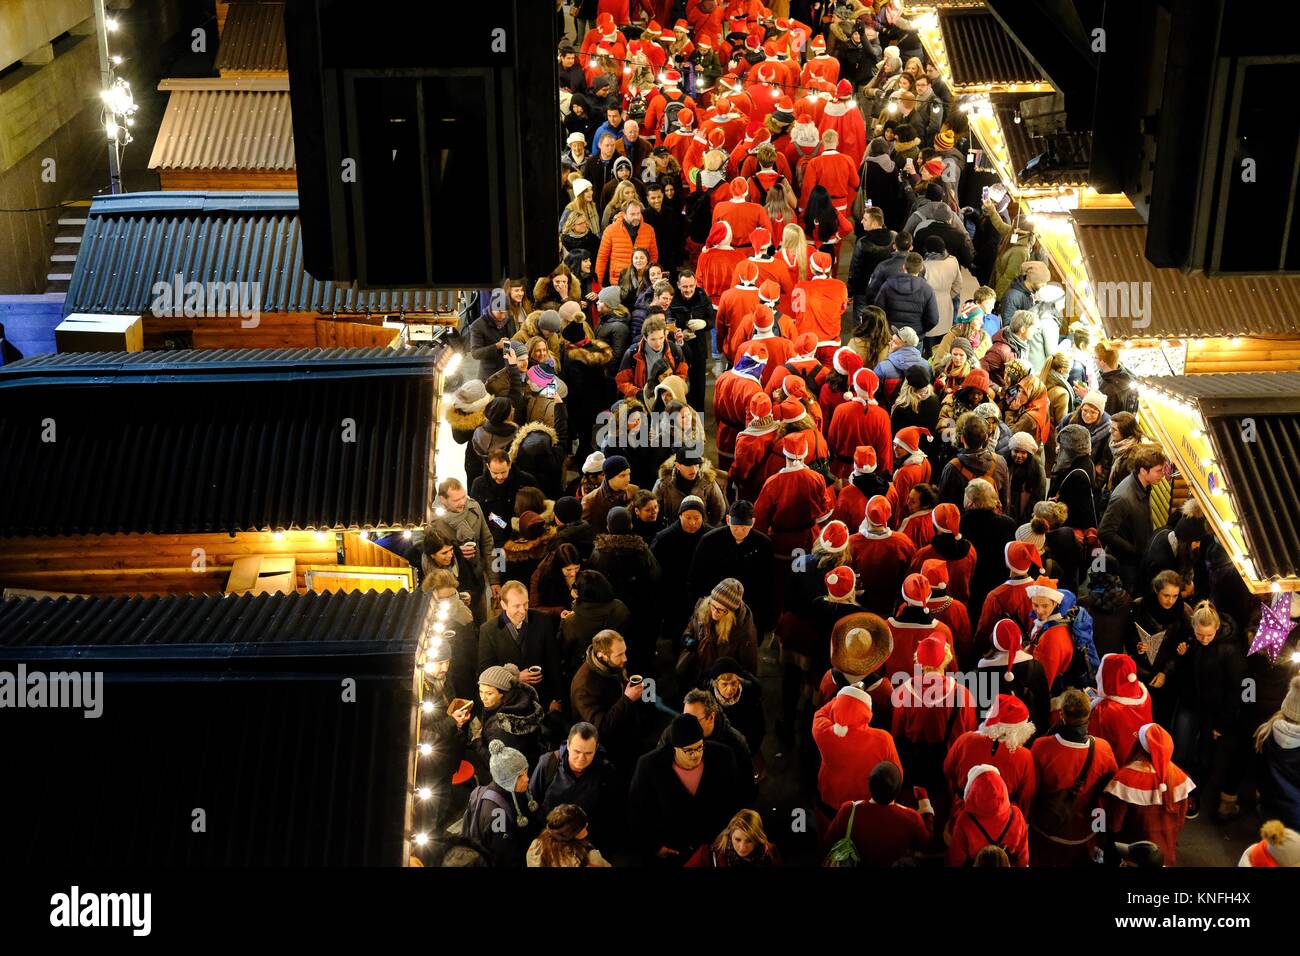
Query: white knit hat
(594, 464)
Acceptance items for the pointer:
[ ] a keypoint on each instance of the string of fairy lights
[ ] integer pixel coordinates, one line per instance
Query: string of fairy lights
(431, 644)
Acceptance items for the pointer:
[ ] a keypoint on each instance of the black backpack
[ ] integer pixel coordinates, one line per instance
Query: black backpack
(672, 121)
(992, 842)
(470, 828)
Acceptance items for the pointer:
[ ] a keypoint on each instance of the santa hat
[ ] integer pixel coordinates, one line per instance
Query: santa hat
(604, 49)
(835, 536)
(933, 653)
(936, 572)
(820, 262)
(795, 387)
(909, 438)
(947, 519)
(793, 446)
(878, 511)
(1020, 555)
(683, 26)
(747, 273)
(766, 72)
(1156, 741)
(685, 120)
(759, 240)
(783, 24)
(769, 293)
(1117, 677)
(635, 48)
(672, 78)
(840, 582)
(719, 236)
(864, 460)
(843, 89)
(846, 361)
(1008, 722)
(817, 45)
(854, 698)
(983, 780)
(805, 346)
(757, 138)
(783, 111)
(740, 188)
(804, 132)
(791, 411)
(759, 406)
(1006, 637)
(607, 27)
(1045, 587)
(865, 384)
(764, 321)
(916, 589)
(717, 138)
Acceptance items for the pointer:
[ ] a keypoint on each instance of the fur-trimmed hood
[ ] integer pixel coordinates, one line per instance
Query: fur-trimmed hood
(707, 473)
(596, 352)
(547, 514)
(521, 549)
(621, 542)
(463, 421)
(530, 429)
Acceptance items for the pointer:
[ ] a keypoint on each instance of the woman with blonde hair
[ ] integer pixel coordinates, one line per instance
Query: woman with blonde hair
(722, 626)
(624, 193)
(742, 843)
(794, 250)
(781, 206)
(564, 841)
(582, 203)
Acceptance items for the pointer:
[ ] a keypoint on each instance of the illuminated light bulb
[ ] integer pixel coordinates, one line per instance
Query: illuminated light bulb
(1277, 587)
(439, 511)
(424, 793)
(117, 60)
(699, 83)
(407, 534)
(426, 750)
(428, 667)
(1219, 491)
(427, 707)
(453, 363)
(106, 95)
(893, 107)
(1197, 434)
(110, 24)
(111, 128)
(321, 535)
(1235, 340)
(278, 536)
(420, 839)
(1207, 462)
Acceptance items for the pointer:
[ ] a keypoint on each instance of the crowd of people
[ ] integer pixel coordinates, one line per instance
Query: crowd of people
(919, 498)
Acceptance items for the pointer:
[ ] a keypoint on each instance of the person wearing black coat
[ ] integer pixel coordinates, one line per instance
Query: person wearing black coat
(736, 550)
(1149, 616)
(627, 562)
(484, 336)
(874, 246)
(674, 548)
(595, 610)
(671, 822)
(1072, 478)
(684, 309)
(989, 532)
(593, 786)
(495, 492)
(955, 239)
(535, 646)
(740, 697)
(701, 705)
(1178, 549)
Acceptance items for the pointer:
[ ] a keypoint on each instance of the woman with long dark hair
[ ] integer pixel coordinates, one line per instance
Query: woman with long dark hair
(823, 225)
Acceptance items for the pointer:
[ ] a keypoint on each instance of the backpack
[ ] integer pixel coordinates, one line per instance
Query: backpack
(672, 121)
(470, 828)
(809, 377)
(636, 106)
(1054, 811)
(1082, 669)
(1000, 838)
(969, 475)
(844, 851)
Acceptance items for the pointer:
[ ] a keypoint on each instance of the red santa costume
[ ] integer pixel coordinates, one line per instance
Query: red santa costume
(919, 526)
(758, 454)
(850, 748)
(706, 23)
(931, 710)
(1049, 639)
(734, 304)
(1000, 740)
(793, 501)
(804, 366)
(1059, 762)
(794, 417)
(605, 31)
(762, 179)
(946, 608)
(771, 268)
(1122, 706)
(911, 467)
(910, 625)
(947, 545)
(717, 262)
(732, 123)
(851, 505)
(843, 116)
(881, 557)
(1011, 597)
(860, 421)
(794, 387)
(818, 303)
(670, 93)
(679, 142)
(832, 169)
(818, 64)
(1147, 797)
(742, 215)
(846, 362)
(987, 816)
(801, 146)
(768, 294)
(779, 349)
(762, 83)
(817, 93)
(731, 394)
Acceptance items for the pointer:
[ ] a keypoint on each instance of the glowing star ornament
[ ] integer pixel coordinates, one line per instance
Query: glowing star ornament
(1275, 627)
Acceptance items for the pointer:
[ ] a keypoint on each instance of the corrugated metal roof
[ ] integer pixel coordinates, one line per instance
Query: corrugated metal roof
(1260, 472)
(252, 40)
(980, 50)
(134, 240)
(226, 125)
(1182, 305)
(243, 450)
(1072, 150)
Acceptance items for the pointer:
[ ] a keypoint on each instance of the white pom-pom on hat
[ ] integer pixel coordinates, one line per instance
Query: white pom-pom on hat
(1132, 678)
(1164, 787)
(842, 731)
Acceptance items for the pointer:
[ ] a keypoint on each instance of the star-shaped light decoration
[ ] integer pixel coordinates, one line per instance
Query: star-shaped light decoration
(1275, 627)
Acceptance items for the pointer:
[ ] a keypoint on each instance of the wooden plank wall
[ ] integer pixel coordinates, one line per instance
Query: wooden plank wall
(358, 551)
(344, 334)
(241, 180)
(275, 330)
(1250, 354)
(148, 564)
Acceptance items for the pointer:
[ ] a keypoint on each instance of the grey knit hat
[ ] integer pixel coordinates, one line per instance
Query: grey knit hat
(502, 677)
(506, 764)
(963, 343)
(988, 410)
(610, 297)
(1074, 442)
(550, 321)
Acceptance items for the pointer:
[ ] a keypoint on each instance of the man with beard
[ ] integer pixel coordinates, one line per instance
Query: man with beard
(602, 696)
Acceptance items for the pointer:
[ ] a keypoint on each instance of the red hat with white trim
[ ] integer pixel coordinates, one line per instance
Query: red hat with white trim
(667, 36)
(909, 438)
(936, 572)
(916, 590)
(840, 581)
(1020, 555)
(635, 48)
(683, 26)
(985, 788)
(865, 382)
(672, 78)
(835, 536)
(721, 232)
(805, 343)
(864, 460)
(717, 138)
(1006, 637)
(878, 511)
(764, 321)
(817, 44)
(793, 445)
(932, 653)
(844, 89)
(1117, 677)
(1156, 741)
(791, 411)
(1008, 722)
(783, 110)
(606, 25)
(766, 72)
(795, 387)
(769, 293)
(752, 42)
(783, 24)
(748, 272)
(759, 405)
(739, 188)
(846, 361)
(604, 49)
(758, 138)
(759, 240)
(1045, 587)
(946, 518)
(685, 120)
(820, 262)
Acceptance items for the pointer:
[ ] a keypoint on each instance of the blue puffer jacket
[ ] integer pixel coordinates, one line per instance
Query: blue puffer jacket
(909, 300)
(894, 366)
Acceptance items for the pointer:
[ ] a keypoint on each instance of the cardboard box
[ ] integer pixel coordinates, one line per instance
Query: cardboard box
(83, 332)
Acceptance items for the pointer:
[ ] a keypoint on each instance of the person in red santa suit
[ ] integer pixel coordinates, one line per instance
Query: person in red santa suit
(771, 268)
(948, 545)
(818, 302)
(1121, 706)
(1147, 797)
(717, 262)
(931, 710)
(865, 482)
(910, 624)
(987, 818)
(794, 387)
(911, 467)
(1000, 740)
(817, 94)
(757, 455)
(793, 502)
(670, 93)
(779, 349)
(843, 116)
(860, 421)
(762, 177)
(731, 394)
(919, 507)
(693, 152)
(880, 556)
(605, 31)
(1011, 597)
(1049, 638)
(946, 608)
(731, 121)
(1073, 768)
(769, 295)
(679, 142)
(849, 746)
(804, 366)
(731, 86)
(818, 64)
(1009, 667)
(742, 215)
(694, 174)
(706, 18)
(744, 149)
(831, 169)
(844, 364)
(763, 84)
(838, 602)
(882, 831)
(801, 146)
(734, 304)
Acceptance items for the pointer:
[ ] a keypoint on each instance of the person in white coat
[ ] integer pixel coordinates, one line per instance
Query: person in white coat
(943, 273)
(1045, 338)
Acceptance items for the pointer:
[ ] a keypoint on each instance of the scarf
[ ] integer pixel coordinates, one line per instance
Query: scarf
(683, 484)
(603, 669)
(1122, 445)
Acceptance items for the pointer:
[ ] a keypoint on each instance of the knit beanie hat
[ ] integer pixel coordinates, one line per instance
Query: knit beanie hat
(988, 411)
(550, 321)
(728, 593)
(613, 466)
(963, 343)
(506, 764)
(501, 676)
(610, 297)
(498, 411)
(619, 521)
(1073, 441)
(1023, 441)
(568, 509)
(918, 376)
(1027, 534)
(685, 731)
(595, 463)
(691, 503)
(1096, 399)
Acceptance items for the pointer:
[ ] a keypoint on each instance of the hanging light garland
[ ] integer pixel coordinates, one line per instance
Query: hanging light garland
(430, 645)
